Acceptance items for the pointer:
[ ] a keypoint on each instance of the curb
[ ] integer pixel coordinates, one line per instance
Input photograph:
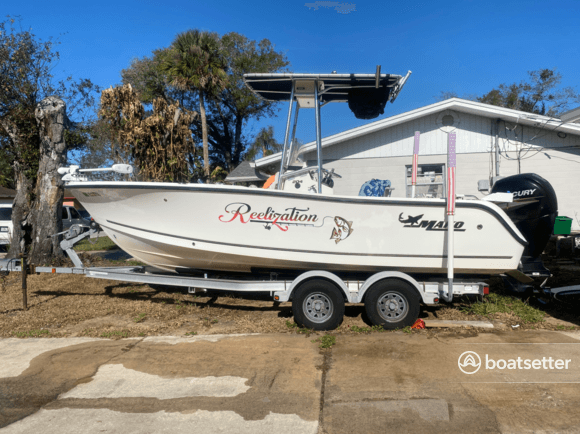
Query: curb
(441, 323)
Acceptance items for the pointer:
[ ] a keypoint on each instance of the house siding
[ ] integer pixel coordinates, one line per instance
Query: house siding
(473, 135)
(383, 154)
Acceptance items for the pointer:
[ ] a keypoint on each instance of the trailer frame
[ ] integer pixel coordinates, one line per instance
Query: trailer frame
(353, 290)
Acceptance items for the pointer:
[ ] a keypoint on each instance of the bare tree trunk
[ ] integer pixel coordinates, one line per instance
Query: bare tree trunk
(204, 135)
(38, 207)
(238, 146)
(21, 232)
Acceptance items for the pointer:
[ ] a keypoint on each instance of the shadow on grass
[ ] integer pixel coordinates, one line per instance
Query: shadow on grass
(166, 295)
(565, 309)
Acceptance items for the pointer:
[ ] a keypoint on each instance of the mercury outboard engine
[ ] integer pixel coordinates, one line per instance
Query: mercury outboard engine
(534, 212)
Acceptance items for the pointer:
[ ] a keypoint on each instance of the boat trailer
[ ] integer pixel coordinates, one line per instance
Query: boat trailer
(318, 296)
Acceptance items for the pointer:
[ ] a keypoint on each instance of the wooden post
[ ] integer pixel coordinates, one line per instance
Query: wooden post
(24, 286)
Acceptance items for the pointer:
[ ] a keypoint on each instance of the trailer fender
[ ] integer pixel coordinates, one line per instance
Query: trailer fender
(389, 275)
(320, 274)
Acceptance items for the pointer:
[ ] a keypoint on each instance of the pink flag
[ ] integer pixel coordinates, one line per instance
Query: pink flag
(451, 163)
(415, 159)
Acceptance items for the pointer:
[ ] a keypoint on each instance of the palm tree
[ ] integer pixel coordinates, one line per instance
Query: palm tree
(195, 62)
(264, 143)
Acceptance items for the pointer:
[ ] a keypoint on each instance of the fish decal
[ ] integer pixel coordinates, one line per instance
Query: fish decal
(410, 220)
(342, 230)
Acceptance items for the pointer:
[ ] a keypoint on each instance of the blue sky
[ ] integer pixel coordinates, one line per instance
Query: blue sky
(464, 46)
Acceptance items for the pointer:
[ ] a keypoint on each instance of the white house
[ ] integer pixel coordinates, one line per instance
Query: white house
(7, 196)
(521, 142)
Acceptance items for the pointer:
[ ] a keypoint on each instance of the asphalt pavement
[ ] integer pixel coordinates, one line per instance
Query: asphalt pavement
(510, 382)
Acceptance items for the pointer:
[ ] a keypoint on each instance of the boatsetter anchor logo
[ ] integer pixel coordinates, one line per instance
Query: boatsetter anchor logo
(469, 362)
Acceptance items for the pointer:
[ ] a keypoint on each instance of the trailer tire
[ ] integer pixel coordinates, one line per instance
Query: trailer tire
(392, 304)
(318, 304)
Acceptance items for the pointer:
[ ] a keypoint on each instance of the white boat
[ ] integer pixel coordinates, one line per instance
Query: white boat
(218, 227)
(300, 224)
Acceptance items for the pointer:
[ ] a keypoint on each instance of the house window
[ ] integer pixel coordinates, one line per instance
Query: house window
(430, 180)
(447, 120)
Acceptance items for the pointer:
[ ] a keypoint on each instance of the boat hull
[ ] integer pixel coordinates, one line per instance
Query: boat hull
(213, 227)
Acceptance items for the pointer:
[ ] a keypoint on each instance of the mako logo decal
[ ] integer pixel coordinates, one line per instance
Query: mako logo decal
(429, 225)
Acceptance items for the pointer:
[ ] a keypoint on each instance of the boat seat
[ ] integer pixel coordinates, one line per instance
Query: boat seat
(376, 187)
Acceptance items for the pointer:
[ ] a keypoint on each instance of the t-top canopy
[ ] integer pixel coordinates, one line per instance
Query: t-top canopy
(333, 87)
(366, 94)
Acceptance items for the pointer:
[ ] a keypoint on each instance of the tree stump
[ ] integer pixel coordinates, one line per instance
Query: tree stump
(38, 202)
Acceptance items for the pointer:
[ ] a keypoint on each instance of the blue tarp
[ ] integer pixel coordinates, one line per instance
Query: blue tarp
(374, 187)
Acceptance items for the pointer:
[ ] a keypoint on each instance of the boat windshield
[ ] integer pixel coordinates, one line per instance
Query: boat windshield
(296, 150)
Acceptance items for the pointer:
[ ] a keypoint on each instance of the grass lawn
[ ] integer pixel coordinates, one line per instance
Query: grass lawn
(497, 304)
(102, 243)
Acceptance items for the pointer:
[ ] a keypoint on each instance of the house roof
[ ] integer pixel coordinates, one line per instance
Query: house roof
(245, 172)
(457, 104)
(571, 115)
(7, 192)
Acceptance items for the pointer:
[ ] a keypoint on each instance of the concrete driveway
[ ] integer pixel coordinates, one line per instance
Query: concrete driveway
(282, 383)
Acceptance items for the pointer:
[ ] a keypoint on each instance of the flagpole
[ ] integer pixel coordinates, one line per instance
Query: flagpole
(451, 164)
(415, 163)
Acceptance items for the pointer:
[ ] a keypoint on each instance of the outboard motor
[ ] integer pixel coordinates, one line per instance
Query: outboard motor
(534, 212)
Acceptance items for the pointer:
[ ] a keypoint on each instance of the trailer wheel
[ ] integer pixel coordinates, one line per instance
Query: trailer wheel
(392, 304)
(318, 305)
